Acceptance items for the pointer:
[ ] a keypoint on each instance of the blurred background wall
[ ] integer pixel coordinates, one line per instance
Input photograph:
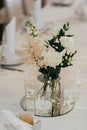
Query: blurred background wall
(20, 9)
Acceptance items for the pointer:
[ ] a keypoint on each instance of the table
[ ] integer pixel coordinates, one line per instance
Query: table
(12, 82)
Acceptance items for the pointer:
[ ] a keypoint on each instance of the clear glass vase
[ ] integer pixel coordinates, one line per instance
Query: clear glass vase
(50, 98)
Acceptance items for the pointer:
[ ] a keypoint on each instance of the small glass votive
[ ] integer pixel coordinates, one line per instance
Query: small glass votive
(26, 117)
(30, 119)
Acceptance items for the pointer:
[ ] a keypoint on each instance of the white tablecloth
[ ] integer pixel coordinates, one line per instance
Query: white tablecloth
(12, 82)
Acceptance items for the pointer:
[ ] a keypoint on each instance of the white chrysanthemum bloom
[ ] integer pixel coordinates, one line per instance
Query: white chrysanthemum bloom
(67, 42)
(52, 58)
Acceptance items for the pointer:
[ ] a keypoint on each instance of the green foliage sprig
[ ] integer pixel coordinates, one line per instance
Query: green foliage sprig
(32, 29)
(56, 44)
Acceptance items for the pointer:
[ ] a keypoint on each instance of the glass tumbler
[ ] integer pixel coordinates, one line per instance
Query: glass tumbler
(30, 86)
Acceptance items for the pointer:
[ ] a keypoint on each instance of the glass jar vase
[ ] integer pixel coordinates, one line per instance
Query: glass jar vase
(50, 99)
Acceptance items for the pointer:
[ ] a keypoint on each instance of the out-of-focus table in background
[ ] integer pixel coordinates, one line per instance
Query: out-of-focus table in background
(12, 82)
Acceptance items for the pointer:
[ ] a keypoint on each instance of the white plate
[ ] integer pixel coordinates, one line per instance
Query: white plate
(18, 62)
(11, 59)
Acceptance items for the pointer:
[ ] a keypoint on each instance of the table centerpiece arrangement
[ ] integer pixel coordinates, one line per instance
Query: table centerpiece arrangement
(50, 56)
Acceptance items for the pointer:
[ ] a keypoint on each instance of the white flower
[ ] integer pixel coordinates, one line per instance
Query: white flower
(67, 42)
(52, 58)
